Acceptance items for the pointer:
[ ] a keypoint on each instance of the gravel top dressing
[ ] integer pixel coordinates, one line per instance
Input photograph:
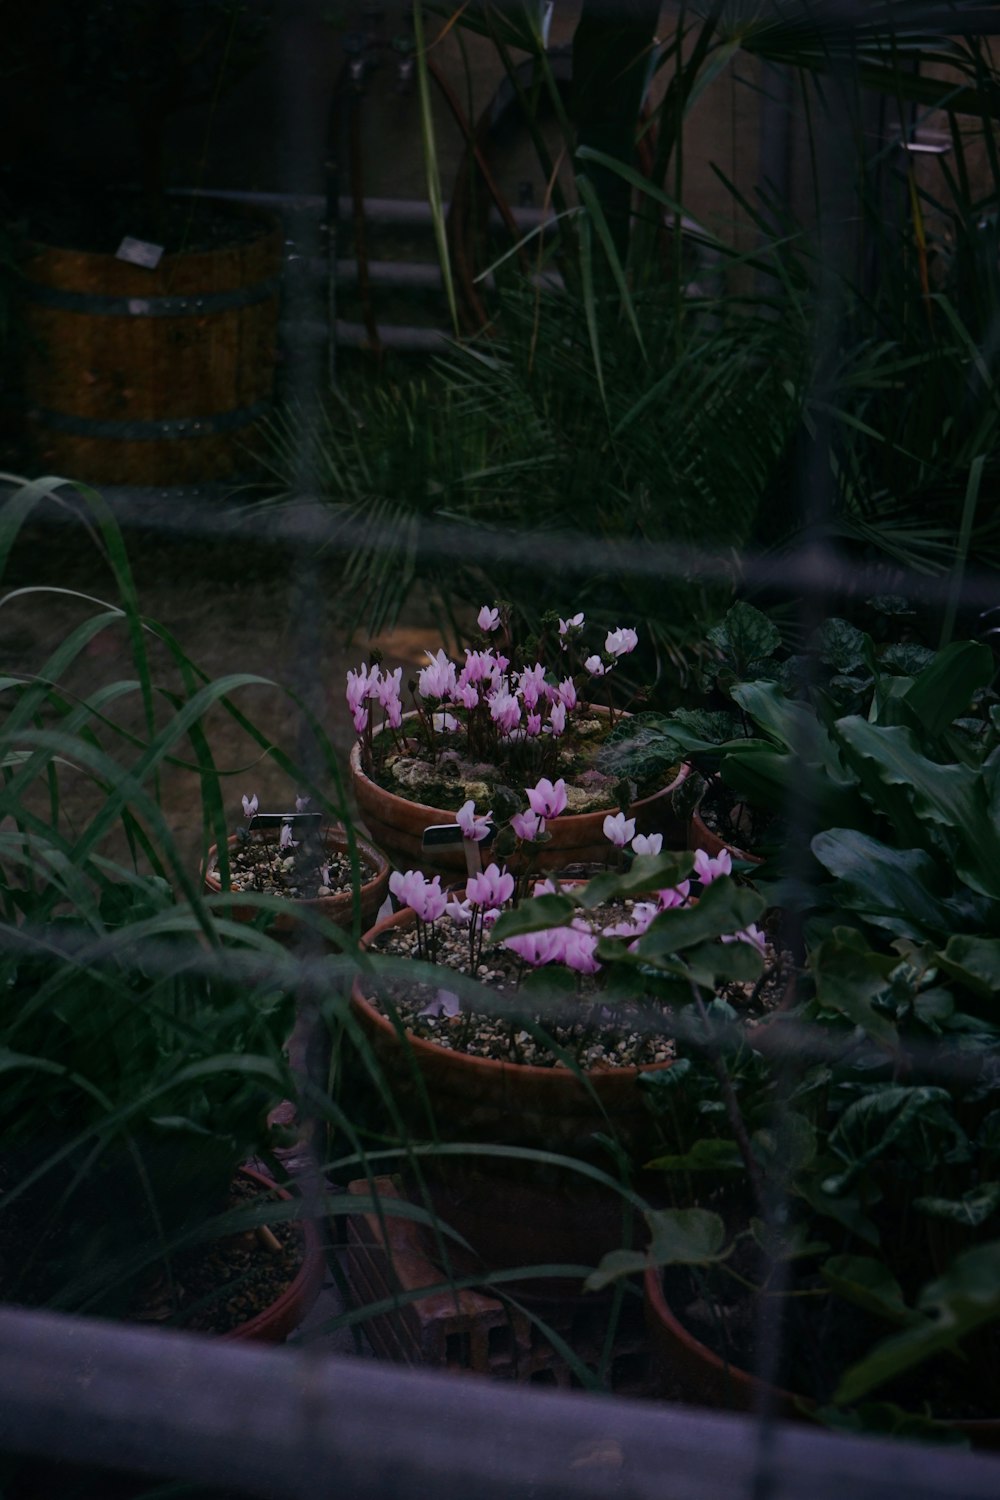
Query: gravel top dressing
(304, 873)
(606, 1036)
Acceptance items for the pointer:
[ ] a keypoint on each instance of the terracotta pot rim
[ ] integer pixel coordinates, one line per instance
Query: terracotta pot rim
(751, 1385)
(698, 823)
(334, 838)
(557, 1077)
(446, 815)
(302, 1291)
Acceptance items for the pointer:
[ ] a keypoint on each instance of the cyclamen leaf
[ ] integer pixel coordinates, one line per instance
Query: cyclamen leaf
(842, 645)
(686, 1237)
(965, 1298)
(917, 1119)
(868, 1283)
(536, 915)
(724, 907)
(745, 636)
(971, 1210)
(706, 1155)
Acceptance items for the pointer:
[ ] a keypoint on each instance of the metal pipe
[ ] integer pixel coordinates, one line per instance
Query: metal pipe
(275, 1424)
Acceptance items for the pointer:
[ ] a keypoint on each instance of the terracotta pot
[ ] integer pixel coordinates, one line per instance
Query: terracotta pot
(514, 1213)
(273, 1324)
(700, 836)
(688, 1365)
(338, 909)
(397, 825)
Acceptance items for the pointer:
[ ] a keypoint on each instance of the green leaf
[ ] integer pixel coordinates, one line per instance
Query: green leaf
(706, 1155)
(744, 638)
(965, 1298)
(892, 888)
(945, 688)
(536, 915)
(842, 645)
(614, 1266)
(724, 907)
(915, 1120)
(868, 1283)
(844, 1209)
(975, 962)
(973, 1208)
(905, 658)
(649, 872)
(849, 979)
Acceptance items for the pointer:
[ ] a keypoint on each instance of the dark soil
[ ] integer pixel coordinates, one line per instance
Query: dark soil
(735, 822)
(215, 1287)
(608, 1035)
(303, 873)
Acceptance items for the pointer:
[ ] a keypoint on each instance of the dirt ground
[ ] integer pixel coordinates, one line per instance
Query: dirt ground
(233, 608)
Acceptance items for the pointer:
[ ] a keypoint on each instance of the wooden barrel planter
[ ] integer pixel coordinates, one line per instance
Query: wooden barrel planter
(138, 376)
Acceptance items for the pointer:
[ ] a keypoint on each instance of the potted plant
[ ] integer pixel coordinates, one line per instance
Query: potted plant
(525, 1031)
(862, 1210)
(296, 857)
(140, 1071)
(149, 324)
(481, 729)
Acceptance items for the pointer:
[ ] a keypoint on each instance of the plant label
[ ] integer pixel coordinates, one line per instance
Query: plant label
(447, 835)
(139, 253)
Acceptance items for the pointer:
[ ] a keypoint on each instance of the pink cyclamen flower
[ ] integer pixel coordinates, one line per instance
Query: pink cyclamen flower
(574, 622)
(493, 887)
(547, 799)
(430, 902)
(578, 950)
(544, 887)
(674, 895)
(505, 710)
(527, 826)
(460, 912)
(532, 684)
(249, 806)
(358, 685)
(595, 666)
(301, 803)
(471, 826)
(619, 829)
(479, 665)
(533, 725)
(706, 870)
(467, 696)
(402, 885)
(567, 694)
(360, 719)
(534, 948)
(647, 843)
(286, 841)
(557, 718)
(751, 935)
(438, 679)
(620, 642)
(488, 619)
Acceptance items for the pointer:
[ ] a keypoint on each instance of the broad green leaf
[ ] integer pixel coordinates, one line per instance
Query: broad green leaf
(649, 872)
(965, 1298)
(706, 1155)
(892, 888)
(842, 645)
(686, 1237)
(975, 962)
(945, 688)
(536, 915)
(916, 1120)
(849, 979)
(972, 1209)
(614, 1266)
(745, 637)
(724, 907)
(868, 1283)
(912, 790)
